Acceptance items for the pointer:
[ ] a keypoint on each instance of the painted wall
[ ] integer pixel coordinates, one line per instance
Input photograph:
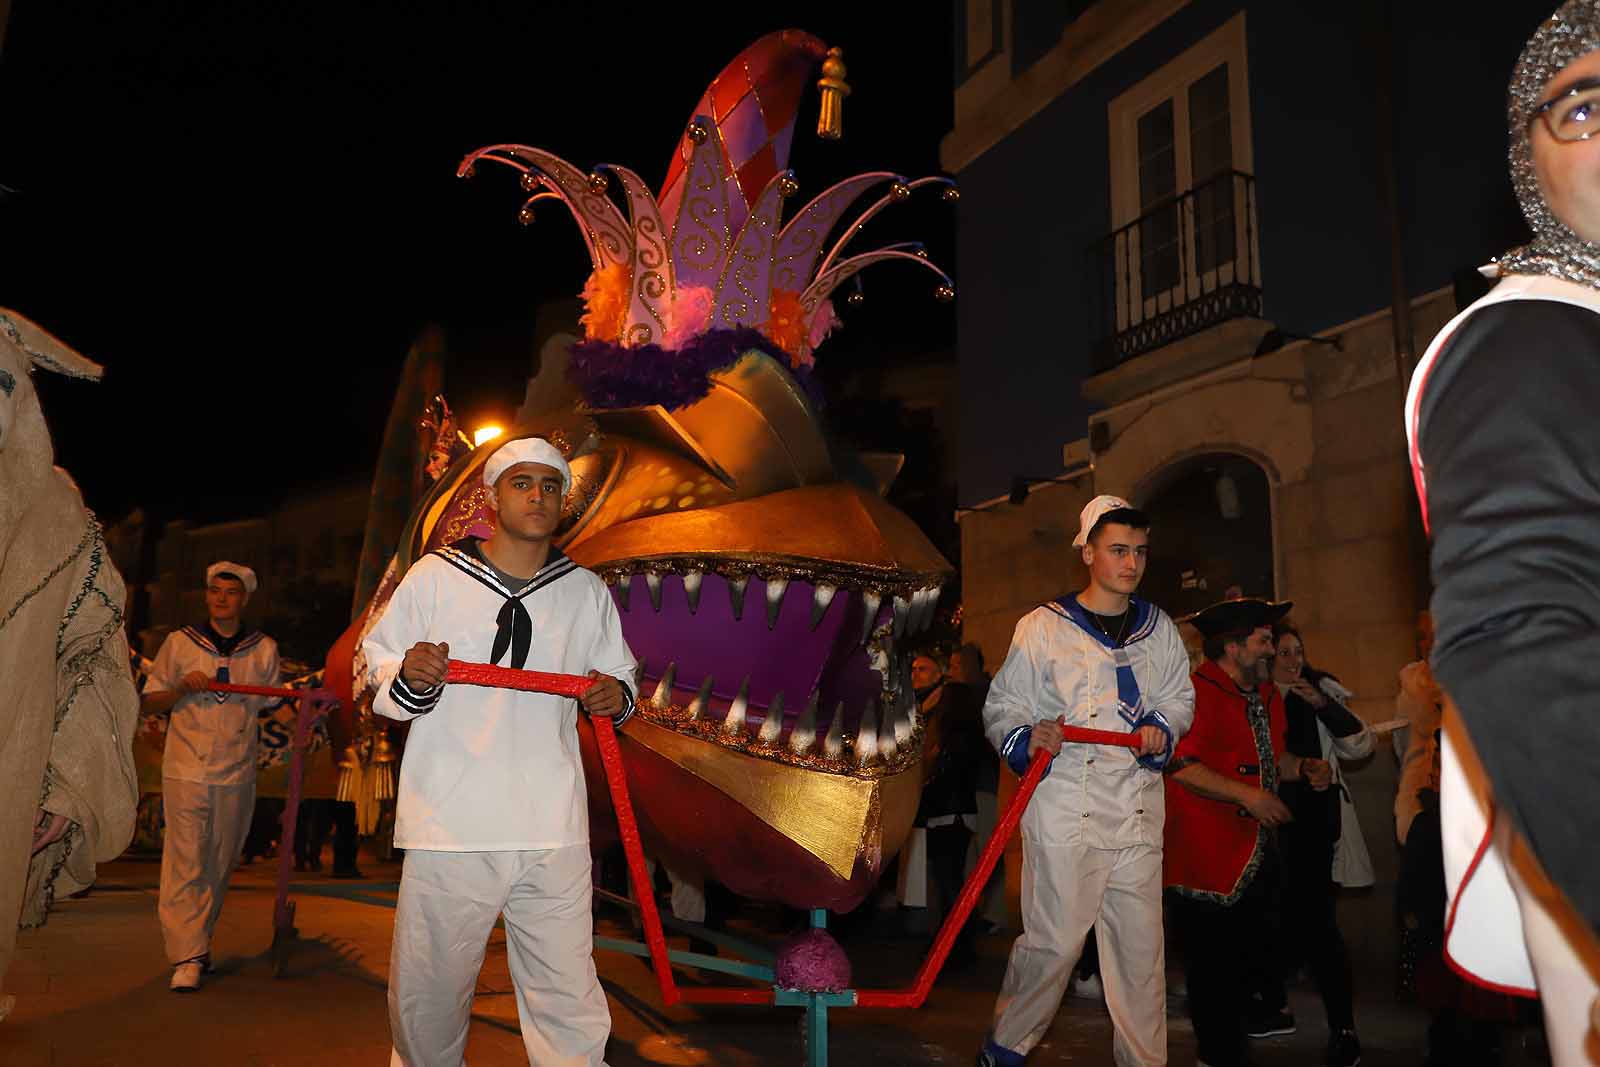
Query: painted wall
(1033, 205)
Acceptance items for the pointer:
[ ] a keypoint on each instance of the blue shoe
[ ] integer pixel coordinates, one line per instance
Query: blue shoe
(994, 1055)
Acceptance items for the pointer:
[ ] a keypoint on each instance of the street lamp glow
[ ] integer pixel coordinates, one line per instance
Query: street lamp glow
(485, 433)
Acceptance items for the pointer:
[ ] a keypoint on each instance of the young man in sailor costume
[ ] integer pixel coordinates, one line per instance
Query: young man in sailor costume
(208, 768)
(1092, 835)
(492, 810)
(1505, 446)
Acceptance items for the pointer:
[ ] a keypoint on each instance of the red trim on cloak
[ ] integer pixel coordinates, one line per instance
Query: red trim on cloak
(1450, 924)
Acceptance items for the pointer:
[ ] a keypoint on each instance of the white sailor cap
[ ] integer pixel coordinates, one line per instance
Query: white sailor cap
(246, 576)
(526, 450)
(1092, 512)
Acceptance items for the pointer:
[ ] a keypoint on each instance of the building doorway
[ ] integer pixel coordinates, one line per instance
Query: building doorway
(1211, 534)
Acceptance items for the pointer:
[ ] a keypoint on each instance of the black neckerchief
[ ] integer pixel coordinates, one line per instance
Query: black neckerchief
(224, 645)
(513, 625)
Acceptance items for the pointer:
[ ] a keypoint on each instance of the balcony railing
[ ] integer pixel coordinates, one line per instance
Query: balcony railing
(1185, 265)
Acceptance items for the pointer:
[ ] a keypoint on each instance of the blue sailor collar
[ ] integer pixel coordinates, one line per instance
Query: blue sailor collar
(1141, 627)
(1130, 702)
(207, 638)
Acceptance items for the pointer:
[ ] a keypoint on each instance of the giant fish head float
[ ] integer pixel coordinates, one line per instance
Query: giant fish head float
(765, 586)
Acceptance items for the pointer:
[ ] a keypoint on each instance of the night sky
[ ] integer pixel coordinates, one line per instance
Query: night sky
(247, 211)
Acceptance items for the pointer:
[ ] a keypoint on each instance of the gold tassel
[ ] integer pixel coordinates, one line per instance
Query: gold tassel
(830, 120)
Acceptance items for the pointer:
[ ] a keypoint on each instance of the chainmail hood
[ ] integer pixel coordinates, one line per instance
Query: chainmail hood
(1572, 32)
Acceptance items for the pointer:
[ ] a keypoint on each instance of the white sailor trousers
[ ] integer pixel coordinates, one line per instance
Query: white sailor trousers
(448, 905)
(205, 830)
(1066, 889)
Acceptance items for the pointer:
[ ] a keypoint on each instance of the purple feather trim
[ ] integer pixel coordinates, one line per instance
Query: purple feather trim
(611, 376)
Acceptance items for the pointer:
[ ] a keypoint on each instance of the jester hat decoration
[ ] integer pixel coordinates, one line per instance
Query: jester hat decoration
(690, 280)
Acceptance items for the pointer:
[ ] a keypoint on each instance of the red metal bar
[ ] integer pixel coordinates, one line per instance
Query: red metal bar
(605, 735)
(617, 781)
(306, 715)
(566, 685)
(917, 992)
(313, 704)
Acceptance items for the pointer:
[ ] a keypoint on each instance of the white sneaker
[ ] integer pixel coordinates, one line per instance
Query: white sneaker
(1088, 988)
(186, 977)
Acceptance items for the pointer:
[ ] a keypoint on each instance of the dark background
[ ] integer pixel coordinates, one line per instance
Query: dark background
(246, 211)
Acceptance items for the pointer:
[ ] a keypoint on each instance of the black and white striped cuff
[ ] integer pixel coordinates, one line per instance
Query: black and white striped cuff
(416, 701)
(628, 706)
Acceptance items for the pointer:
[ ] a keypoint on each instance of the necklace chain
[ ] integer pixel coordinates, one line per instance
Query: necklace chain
(1122, 632)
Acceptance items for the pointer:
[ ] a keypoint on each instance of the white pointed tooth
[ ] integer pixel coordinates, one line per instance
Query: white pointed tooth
(697, 706)
(623, 583)
(736, 587)
(867, 734)
(733, 722)
(804, 734)
(776, 587)
(821, 597)
(904, 724)
(691, 589)
(871, 601)
(888, 739)
(902, 614)
(772, 725)
(652, 581)
(833, 744)
(663, 696)
(922, 605)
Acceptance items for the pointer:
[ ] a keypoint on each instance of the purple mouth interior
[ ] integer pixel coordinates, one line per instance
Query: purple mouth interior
(790, 656)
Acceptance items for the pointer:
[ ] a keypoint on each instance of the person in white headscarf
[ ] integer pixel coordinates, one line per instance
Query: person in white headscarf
(208, 767)
(492, 809)
(68, 787)
(1503, 436)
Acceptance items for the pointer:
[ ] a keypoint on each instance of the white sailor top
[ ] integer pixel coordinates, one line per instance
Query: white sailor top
(1061, 666)
(491, 770)
(211, 737)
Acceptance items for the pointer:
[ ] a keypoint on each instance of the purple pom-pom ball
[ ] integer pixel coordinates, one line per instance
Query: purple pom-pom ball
(813, 963)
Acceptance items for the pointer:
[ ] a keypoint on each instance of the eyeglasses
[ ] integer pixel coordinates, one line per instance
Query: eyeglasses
(1573, 115)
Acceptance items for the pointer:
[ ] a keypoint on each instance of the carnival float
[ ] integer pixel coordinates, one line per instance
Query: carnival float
(764, 584)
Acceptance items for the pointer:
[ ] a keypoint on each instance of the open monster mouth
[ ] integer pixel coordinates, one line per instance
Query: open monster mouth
(769, 603)
(782, 660)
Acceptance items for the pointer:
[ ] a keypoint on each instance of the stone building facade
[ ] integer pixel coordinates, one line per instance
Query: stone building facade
(1197, 260)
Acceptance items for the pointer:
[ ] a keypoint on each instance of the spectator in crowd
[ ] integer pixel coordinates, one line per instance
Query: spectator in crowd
(1223, 805)
(1322, 845)
(966, 667)
(1420, 703)
(949, 810)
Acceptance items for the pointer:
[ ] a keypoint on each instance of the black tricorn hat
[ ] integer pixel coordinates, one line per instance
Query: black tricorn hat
(1235, 616)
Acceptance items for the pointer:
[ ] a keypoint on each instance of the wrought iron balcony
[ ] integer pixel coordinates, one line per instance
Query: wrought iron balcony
(1185, 265)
